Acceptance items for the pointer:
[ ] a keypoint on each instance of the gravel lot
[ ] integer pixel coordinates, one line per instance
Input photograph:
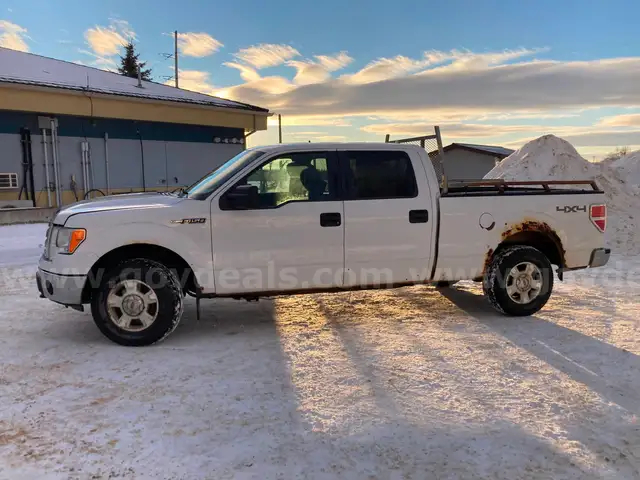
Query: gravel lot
(411, 383)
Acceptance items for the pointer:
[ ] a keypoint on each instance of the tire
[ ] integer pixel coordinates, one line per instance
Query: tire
(142, 321)
(505, 282)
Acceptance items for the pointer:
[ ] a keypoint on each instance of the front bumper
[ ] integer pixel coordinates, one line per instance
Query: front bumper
(599, 257)
(63, 289)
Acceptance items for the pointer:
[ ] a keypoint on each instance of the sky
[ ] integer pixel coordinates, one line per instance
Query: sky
(493, 72)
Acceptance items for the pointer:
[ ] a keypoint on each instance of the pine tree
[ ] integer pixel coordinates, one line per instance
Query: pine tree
(129, 64)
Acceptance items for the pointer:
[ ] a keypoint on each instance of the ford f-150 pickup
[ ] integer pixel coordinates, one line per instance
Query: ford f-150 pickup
(287, 219)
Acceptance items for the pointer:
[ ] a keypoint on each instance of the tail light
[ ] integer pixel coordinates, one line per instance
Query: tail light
(598, 216)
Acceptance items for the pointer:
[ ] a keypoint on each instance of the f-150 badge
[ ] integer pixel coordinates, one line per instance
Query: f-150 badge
(190, 221)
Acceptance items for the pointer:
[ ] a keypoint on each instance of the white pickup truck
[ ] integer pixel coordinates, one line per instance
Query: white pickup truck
(287, 219)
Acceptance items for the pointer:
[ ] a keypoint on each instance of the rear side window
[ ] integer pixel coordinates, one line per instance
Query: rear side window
(380, 174)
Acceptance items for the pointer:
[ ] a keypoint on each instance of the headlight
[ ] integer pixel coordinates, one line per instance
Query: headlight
(69, 239)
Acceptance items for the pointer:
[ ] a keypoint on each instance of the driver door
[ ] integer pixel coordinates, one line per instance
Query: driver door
(293, 238)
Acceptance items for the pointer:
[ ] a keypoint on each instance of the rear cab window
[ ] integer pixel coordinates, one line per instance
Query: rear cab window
(378, 174)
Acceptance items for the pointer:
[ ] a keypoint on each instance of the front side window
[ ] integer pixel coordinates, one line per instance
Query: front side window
(293, 177)
(380, 174)
(215, 179)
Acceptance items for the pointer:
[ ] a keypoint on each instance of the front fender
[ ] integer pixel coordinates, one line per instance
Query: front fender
(191, 242)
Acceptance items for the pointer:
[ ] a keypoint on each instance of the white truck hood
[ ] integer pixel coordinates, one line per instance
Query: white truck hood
(131, 201)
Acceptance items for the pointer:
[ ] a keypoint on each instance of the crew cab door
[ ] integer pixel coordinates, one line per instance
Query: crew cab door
(292, 238)
(389, 217)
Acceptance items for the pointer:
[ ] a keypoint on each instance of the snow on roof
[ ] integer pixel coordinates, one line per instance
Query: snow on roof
(30, 69)
(491, 149)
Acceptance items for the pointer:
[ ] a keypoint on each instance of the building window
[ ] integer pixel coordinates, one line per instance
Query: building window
(8, 180)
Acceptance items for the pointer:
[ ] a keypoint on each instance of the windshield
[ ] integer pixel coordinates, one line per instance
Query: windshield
(213, 180)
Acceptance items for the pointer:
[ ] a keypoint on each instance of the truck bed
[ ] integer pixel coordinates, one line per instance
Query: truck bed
(459, 188)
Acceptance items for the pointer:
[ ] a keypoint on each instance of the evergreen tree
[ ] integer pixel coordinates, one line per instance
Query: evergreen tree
(129, 64)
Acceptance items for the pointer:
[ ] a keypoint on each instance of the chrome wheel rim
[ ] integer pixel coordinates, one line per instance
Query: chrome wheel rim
(132, 305)
(524, 283)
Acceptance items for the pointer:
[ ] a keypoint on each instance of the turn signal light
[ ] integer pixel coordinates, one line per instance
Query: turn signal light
(77, 237)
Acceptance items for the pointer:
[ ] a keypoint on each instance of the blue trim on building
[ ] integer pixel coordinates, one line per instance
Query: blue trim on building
(71, 126)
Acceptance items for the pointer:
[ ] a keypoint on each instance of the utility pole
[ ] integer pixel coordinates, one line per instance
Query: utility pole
(175, 55)
(279, 128)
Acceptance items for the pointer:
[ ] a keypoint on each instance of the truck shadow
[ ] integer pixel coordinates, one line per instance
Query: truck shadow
(579, 356)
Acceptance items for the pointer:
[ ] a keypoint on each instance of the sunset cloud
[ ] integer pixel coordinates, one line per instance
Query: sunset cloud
(105, 41)
(201, 44)
(266, 55)
(13, 36)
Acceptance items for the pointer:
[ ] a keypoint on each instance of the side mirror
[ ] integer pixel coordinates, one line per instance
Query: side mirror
(241, 197)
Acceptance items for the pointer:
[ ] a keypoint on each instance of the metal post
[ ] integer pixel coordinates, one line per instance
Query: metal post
(175, 55)
(46, 166)
(83, 165)
(441, 155)
(90, 167)
(106, 158)
(54, 153)
(279, 128)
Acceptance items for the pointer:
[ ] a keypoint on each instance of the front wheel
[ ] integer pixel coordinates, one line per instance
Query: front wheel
(519, 280)
(138, 303)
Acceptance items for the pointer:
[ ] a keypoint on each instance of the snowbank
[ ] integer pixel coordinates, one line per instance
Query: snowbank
(552, 158)
(626, 168)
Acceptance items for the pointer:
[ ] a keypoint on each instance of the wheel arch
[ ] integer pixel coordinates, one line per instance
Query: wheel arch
(148, 251)
(545, 240)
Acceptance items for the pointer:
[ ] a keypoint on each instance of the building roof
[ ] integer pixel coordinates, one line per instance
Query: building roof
(492, 150)
(29, 69)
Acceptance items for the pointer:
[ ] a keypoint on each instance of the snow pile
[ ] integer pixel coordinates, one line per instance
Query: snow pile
(552, 158)
(626, 168)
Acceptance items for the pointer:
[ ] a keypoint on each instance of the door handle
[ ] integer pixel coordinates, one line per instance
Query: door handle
(330, 219)
(418, 216)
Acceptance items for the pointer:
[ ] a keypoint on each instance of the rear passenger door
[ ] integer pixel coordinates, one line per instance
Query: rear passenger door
(388, 217)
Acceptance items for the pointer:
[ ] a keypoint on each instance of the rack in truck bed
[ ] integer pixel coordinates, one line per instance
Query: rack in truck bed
(457, 188)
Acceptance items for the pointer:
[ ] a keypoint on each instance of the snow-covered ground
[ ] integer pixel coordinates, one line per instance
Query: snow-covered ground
(401, 384)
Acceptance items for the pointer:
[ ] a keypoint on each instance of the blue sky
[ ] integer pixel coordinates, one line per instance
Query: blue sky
(493, 72)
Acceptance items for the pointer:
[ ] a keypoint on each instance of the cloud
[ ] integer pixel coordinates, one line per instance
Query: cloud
(13, 36)
(194, 80)
(248, 74)
(453, 60)
(594, 138)
(310, 71)
(266, 55)
(309, 121)
(628, 120)
(461, 130)
(193, 44)
(305, 134)
(536, 85)
(384, 69)
(106, 41)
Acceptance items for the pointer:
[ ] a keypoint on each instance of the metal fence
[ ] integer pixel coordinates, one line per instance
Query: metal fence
(433, 145)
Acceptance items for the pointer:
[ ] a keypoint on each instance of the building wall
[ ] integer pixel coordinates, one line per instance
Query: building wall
(462, 164)
(173, 155)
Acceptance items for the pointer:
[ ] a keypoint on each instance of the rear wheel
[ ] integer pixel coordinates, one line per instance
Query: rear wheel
(138, 303)
(519, 280)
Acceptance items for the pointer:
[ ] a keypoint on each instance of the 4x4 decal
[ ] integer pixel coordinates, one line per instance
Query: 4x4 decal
(572, 208)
